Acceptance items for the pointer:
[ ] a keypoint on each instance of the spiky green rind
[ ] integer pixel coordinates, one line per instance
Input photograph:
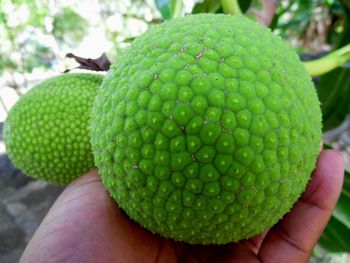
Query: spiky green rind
(207, 129)
(47, 132)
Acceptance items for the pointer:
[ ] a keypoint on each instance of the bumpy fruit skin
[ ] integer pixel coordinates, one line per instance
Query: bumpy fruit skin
(207, 129)
(47, 132)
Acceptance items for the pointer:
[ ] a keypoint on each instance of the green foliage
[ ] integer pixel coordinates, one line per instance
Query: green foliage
(334, 88)
(214, 6)
(208, 6)
(164, 7)
(335, 237)
(169, 8)
(245, 4)
(294, 20)
(21, 49)
(38, 10)
(38, 33)
(69, 26)
(36, 56)
(6, 63)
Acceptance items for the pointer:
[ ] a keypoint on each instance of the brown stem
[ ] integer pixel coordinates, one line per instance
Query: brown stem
(99, 64)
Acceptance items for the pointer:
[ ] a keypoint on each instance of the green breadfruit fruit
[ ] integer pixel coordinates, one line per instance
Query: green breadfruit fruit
(207, 129)
(47, 133)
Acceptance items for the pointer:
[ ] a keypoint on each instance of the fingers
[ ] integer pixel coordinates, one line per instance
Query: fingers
(86, 225)
(293, 238)
(67, 229)
(254, 243)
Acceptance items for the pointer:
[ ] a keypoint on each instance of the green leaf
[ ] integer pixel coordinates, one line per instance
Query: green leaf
(333, 88)
(327, 146)
(335, 237)
(214, 6)
(207, 6)
(347, 3)
(164, 7)
(169, 8)
(244, 4)
(69, 27)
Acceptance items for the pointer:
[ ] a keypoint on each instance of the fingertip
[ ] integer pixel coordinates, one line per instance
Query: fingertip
(327, 179)
(297, 233)
(87, 182)
(333, 157)
(89, 176)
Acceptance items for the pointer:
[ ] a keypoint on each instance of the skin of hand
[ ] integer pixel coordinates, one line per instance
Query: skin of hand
(85, 225)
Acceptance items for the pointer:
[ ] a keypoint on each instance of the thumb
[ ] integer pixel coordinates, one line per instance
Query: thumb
(85, 225)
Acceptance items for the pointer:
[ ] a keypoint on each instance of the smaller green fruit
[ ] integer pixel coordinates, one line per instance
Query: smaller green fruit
(46, 132)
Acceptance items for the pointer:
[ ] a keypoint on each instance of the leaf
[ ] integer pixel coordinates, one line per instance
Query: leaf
(40, 57)
(244, 4)
(347, 3)
(335, 237)
(333, 88)
(69, 26)
(164, 7)
(214, 6)
(169, 8)
(207, 6)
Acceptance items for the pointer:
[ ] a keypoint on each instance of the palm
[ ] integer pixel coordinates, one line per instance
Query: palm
(85, 225)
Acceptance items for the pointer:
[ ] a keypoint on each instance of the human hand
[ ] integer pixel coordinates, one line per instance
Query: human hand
(85, 225)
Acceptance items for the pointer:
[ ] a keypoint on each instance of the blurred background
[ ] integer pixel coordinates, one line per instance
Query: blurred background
(36, 35)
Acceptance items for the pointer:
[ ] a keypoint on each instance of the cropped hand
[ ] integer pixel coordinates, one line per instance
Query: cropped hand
(85, 225)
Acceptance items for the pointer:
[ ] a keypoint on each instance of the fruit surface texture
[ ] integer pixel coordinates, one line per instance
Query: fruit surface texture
(47, 132)
(207, 129)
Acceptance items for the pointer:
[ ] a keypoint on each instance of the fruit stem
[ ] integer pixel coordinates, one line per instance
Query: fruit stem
(329, 62)
(98, 64)
(231, 7)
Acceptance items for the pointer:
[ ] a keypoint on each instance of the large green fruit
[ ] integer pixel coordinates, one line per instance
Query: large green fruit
(47, 132)
(207, 129)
